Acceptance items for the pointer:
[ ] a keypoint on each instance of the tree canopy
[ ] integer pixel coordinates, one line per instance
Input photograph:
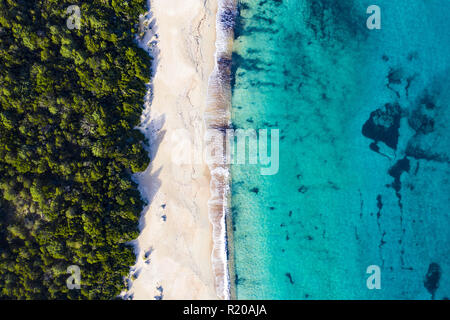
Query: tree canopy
(70, 100)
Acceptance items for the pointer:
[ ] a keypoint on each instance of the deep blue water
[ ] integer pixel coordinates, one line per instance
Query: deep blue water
(364, 149)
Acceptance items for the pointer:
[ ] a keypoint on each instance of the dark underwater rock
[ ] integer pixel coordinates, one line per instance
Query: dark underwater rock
(289, 276)
(432, 278)
(383, 125)
(396, 171)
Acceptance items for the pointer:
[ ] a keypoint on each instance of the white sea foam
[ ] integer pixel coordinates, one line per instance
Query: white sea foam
(217, 116)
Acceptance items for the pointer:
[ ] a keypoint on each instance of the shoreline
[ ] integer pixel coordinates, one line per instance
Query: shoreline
(218, 116)
(175, 245)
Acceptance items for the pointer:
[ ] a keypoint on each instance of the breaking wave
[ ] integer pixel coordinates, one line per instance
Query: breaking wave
(218, 116)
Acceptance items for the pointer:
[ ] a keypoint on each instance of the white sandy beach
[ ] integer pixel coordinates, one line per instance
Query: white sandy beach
(176, 232)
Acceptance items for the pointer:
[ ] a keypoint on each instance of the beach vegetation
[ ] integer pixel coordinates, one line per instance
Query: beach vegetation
(70, 100)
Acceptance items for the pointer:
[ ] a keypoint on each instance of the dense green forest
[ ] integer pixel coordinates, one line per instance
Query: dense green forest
(70, 100)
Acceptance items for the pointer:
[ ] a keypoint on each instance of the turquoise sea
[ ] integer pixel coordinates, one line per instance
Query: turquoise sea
(364, 149)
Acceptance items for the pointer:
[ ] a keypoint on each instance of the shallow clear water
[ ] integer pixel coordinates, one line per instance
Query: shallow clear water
(356, 186)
